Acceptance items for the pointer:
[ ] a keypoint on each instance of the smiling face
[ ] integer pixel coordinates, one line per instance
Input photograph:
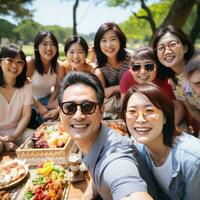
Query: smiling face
(171, 53)
(12, 67)
(76, 56)
(83, 128)
(143, 75)
(110, 44)
(47, 49)
(144, 120)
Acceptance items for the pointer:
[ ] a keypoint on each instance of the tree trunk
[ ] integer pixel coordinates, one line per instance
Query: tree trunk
(74, 17)
(179, 13)
(196, 28)
(149, 16)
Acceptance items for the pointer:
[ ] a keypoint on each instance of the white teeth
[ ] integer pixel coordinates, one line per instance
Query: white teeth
(142, 129)
(169, 58)
(110, 50)
(143, 77)
(79, 125)
(13, 70)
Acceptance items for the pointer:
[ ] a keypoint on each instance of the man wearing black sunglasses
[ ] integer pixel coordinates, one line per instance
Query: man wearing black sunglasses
(110, 157)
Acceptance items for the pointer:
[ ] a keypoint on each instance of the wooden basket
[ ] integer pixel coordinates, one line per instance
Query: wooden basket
(36, 156)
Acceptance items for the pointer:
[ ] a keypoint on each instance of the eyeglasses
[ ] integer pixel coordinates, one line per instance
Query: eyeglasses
(151, 114)
(196, 84)
(148, 67)
(10, 61)
(172, 45)
(70, 107)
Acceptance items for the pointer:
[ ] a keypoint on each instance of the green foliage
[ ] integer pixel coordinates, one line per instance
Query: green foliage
(190, 21)
(6, 30)
(61, 33)
(15, 8)
(139, 29)
(27, 30)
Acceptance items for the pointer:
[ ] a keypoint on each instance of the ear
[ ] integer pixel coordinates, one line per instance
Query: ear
(102, 109)
(185, 47)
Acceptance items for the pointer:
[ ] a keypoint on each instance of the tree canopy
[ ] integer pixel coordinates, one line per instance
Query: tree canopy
(16, 8)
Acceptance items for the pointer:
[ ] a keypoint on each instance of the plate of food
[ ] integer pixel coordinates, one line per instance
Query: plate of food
(12, 173)
(48, 181)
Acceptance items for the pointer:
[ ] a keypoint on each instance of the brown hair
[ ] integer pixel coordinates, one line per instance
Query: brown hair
(159, 99)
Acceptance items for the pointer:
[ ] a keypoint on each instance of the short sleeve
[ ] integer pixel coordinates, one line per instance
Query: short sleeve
(126, 81)
(122, 176)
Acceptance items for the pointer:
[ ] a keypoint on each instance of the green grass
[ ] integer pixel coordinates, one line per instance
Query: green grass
(29, 50)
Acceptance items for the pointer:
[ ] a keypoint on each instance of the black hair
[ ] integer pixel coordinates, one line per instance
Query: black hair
(38, 62)
(12, 52)
(165, 72)
(76, 39)
(86, 78)
(101, 57)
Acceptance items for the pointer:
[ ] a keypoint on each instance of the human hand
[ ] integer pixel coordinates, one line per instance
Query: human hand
(43, 110)
(108, 92)
(10, 146)
(9, 138)
(52, 105)
(51, 114)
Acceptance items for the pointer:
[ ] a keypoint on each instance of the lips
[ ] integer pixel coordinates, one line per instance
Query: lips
(13, 70)
(169, 58)
(79, 126)
(143, 77)
(142, 129)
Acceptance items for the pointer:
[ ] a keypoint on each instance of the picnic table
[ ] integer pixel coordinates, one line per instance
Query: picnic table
(74, 191)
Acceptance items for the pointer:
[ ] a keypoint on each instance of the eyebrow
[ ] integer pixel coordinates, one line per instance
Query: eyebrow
(148, 105)
(198, 82)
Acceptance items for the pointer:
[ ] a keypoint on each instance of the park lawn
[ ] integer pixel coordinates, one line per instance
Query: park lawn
(29, 50)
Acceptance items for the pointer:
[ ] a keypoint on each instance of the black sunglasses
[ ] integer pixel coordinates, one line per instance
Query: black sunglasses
(70, 107)
(148, 67)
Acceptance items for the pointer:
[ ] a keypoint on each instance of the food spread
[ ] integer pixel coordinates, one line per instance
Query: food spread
(48, 183)
(12, 172)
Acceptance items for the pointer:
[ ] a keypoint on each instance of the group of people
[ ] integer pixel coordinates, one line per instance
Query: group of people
(155, 90)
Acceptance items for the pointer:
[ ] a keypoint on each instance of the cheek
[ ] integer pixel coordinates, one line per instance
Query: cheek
(102, 46)
(64, 121)
(152, 76)
(130, 124)
(82, 57)
(160, 57)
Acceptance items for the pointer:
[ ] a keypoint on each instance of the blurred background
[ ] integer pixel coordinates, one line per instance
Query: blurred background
(139, 19)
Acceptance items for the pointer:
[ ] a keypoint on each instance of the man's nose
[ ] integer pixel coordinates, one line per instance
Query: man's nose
(78, 115)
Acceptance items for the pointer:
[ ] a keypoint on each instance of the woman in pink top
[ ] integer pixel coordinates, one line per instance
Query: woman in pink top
(15, 98)
(143, 69)
(45, 72)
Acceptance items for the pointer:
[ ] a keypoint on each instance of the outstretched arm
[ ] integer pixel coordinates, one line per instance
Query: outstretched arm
(138, 196)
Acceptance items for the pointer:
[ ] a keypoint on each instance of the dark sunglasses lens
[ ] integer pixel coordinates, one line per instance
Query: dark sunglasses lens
(149, 67)
(88, 107)
(136, 67)
(69, 108)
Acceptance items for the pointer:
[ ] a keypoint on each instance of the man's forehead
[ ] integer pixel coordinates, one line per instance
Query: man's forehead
(79, 92)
